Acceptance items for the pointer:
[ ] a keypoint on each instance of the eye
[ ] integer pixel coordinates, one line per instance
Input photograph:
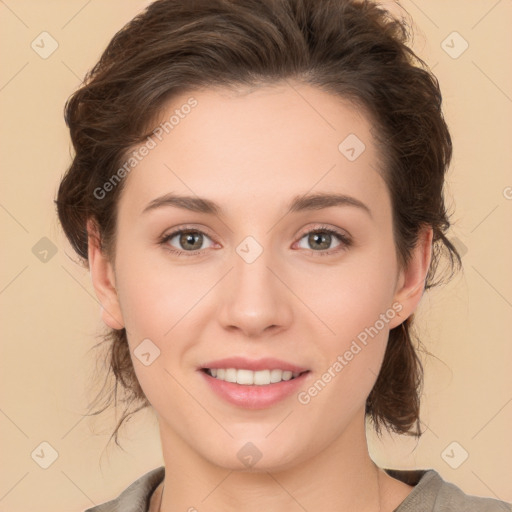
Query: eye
(189, 241)
(321, 239)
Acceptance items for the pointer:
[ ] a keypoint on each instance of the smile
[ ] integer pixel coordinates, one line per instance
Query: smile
(249, 377)
(249, 389)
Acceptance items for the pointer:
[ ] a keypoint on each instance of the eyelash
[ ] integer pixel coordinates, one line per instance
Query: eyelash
(345, 241)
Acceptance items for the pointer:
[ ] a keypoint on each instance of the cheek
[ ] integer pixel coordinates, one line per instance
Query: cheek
(355, 305)
(154, 295)
(350, 359)
(161, 303)
(351, 296)
(156, 303)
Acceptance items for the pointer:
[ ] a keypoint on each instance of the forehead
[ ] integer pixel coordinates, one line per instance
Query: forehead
(258, 146)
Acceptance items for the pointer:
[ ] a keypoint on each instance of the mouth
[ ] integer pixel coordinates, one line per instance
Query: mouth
(245, 377)
(258, 388)
(253, 383)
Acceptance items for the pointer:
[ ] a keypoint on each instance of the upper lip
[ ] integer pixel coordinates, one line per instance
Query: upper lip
(266, 363)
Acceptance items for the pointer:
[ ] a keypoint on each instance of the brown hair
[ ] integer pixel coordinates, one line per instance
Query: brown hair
(353, 49)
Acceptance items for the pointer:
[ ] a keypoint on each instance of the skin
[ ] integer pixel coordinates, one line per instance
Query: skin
(251, 151)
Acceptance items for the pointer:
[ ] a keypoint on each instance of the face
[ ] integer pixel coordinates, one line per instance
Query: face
(289, 261)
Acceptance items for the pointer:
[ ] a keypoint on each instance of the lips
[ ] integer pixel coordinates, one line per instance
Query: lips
(249, 396)
(254, 396)
(242, 363)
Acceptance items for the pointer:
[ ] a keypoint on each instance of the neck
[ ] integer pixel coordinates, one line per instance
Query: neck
(342, 473)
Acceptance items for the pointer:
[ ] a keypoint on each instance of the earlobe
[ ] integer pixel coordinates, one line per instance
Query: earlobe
(103, 279)
(411, 282)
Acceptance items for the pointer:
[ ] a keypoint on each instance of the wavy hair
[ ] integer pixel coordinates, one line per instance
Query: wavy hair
(353, 49)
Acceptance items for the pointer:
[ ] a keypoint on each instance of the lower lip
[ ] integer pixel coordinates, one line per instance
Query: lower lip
(254, 397)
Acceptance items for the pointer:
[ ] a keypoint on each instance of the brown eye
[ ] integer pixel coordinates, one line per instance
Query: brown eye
(190, 240)
(184, 240)
(321, 240)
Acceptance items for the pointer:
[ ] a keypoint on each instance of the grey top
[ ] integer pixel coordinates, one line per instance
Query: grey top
(430, 494)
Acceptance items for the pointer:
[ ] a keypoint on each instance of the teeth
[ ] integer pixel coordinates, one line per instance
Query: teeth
(248, 377)
(244, 376)
(230, 375)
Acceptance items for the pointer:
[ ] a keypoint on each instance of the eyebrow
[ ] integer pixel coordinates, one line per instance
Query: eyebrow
(316, 201)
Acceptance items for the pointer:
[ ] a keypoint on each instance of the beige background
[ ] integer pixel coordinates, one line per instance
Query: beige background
(50, 316)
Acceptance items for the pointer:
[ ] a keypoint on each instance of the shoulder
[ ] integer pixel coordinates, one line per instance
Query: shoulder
(135, 498)
(433, 494)
(450, 497)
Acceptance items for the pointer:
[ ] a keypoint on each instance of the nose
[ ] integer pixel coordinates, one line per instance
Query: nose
(254, 298)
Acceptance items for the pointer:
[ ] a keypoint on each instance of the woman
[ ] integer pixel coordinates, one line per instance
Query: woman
(257, 192)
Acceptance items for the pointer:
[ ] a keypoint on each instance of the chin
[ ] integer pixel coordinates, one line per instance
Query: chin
(254, 456)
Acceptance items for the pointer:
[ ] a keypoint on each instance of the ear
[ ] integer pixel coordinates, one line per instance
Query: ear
(103, 279)
(411, 280)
